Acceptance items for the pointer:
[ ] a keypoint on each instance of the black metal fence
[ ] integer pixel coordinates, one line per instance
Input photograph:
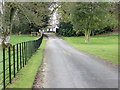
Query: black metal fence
(15, 58)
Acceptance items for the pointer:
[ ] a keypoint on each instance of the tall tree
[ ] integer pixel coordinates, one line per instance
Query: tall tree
(7, 13)
(35, 13)
(88, 17)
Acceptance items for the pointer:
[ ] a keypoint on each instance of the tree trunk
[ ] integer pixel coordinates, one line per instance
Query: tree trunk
(87, 36)
(93, 33)
(2, 39)
(6, 24)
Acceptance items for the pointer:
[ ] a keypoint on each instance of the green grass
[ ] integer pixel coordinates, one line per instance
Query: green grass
(14, 40)
(105, 47)
(26, 76)
(18, 39)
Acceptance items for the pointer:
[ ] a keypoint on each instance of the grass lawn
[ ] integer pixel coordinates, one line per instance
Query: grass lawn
(26, 76)
(18, 39)
(105, 47)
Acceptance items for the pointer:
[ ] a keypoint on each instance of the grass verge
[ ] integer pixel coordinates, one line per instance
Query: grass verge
(25, 78)
(105, 47)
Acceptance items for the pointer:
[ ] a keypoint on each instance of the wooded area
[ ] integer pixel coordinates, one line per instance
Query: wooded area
(22, 18)
(75, 19)
(88, 18)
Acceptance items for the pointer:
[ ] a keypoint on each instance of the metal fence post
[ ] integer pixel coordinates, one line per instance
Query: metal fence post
(23, 53)
(20, 57)
(26, 52)
(9, 55)
(14, 59)
(4, 68)
(29, 49)
(35, 45)
(17, 59)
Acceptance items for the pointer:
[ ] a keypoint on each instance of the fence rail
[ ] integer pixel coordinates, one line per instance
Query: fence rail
(15, 58)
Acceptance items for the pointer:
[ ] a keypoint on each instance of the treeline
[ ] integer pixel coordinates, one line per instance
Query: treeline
(35, 17)
(87, 18)
(22, 18)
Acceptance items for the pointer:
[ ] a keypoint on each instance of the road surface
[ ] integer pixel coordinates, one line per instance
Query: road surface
(67, 67)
